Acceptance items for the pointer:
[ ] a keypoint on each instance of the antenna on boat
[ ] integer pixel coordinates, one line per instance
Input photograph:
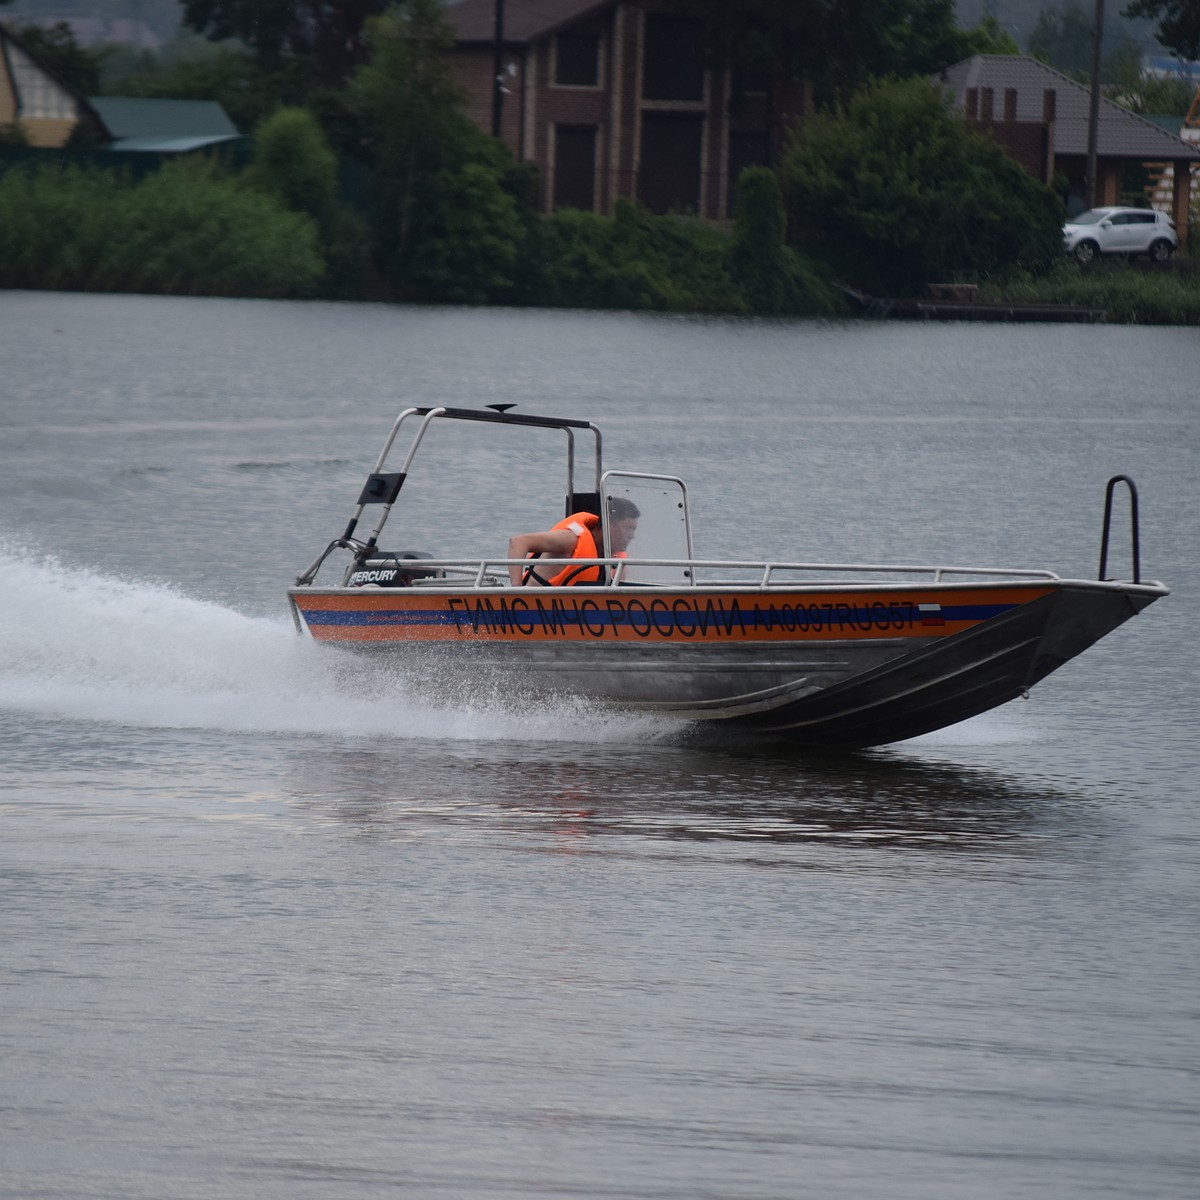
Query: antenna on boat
(500, 408)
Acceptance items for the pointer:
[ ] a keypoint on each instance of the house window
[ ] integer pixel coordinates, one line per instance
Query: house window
(577, 60)
(673, 65)
(575, 167)
(669, 175)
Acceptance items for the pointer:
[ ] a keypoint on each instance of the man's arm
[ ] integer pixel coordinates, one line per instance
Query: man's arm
(557, 543)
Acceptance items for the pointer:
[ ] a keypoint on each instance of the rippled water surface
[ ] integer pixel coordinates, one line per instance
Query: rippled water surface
(275, 926)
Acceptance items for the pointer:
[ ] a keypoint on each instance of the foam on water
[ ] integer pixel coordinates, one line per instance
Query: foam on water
(82, 645)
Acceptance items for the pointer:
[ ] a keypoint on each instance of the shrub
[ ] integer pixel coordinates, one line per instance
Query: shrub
(635, 260)
(571, 264)
(773, 277)
(632, 261)
(293, 162)
(186, 229)
(471, 243)
(1128, 295)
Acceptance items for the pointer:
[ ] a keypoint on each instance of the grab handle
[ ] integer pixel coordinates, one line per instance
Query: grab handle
(1133, 526)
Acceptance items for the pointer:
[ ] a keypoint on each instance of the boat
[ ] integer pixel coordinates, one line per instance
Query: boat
(814, 654)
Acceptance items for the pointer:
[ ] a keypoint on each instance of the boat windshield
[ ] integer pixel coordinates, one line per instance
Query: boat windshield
(1093, 216)
(662, 524)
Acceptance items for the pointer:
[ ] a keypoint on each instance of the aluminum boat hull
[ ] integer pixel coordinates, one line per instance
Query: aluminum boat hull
(825, 666)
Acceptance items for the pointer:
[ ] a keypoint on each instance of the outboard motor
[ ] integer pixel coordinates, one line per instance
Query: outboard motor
(389, 569)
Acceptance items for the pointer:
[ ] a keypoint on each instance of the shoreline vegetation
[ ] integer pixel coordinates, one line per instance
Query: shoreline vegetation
(194, 227)
(1130, 293)
(381, 189)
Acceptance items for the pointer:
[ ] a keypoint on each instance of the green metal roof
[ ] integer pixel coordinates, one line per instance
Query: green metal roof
(174, 145)
(163, 119)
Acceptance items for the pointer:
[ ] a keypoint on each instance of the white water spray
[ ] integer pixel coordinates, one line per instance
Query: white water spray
(81, 645)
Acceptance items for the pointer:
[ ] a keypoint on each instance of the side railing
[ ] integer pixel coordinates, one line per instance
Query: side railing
(621, 572)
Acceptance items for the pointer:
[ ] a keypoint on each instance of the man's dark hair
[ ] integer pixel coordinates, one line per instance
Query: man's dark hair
(620, 509)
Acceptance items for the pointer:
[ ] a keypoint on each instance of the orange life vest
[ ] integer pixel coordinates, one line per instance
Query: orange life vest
(584, 525)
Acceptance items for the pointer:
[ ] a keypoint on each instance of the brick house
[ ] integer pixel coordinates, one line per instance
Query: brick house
(611, 98)
(1041, 117)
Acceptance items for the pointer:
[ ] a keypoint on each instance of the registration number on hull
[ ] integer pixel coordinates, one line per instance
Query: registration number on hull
(423, 617)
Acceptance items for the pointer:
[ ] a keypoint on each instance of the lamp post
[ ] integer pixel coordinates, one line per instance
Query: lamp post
(1089, 179)
(497, 67)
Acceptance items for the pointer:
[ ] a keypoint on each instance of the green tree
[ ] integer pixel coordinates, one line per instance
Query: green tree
(989, 37)
(472, 243)
(895, 190)
(836, 44)
(418, 141)
(332, 32)
(294, 164)
(293, 161)
(1128, 83)
(770, 273)
(1178, 24)
(247, 91)
(1146, 93)
(1062, 38)
(756, 254)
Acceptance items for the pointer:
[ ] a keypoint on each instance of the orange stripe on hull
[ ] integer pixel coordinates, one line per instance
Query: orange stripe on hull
(694, 617)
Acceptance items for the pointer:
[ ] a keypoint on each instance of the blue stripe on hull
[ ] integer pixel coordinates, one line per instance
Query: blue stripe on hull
(689, 620)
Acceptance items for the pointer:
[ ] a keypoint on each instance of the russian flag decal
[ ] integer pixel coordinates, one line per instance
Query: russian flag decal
(931, 614)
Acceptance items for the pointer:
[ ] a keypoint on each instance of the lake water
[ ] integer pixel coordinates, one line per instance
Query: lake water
(273, 928)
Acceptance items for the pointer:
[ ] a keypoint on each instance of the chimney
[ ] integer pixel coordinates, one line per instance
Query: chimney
(1049, 104)
(985, 97)
(972, 99)
(1010, 104)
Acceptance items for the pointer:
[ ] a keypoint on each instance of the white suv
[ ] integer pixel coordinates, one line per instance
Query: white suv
(1120, 231)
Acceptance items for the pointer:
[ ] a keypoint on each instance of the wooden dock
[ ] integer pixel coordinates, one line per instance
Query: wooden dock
(937, 308)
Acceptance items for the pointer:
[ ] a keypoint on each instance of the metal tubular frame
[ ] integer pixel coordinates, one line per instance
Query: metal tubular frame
(1135, 544)
(766, 572)
(429, 414)
(496, 568)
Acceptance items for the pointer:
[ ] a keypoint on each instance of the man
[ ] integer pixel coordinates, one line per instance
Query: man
(577, 536)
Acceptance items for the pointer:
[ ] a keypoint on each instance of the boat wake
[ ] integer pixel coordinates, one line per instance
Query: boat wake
(81, 645)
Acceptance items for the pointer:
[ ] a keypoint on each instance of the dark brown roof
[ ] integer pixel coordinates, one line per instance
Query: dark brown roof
(1120, 133)
(524, 20)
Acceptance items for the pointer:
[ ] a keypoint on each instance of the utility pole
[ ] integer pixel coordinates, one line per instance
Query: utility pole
(497, 68)
(1089, 179)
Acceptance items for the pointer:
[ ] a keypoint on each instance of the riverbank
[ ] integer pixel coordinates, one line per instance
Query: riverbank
(69, 228)
(1113, 294)
(1129, 293)
(193, 228)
